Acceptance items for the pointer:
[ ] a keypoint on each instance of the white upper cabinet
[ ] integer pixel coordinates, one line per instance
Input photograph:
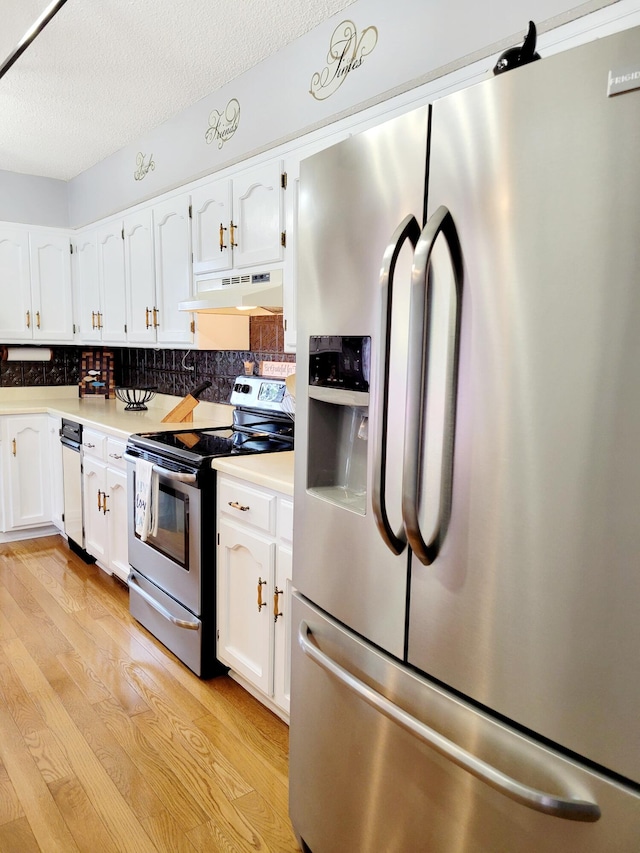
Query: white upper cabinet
(238, 222)
(15, 285)
(87, 286)
(113, 315)
(35, 285)
(172, 242)
(142, 310)
(211, 207)
(100, 284)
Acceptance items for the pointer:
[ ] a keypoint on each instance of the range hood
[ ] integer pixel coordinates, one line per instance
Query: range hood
(249, 295)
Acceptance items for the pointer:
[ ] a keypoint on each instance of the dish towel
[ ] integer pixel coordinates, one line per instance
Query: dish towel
(146, 500)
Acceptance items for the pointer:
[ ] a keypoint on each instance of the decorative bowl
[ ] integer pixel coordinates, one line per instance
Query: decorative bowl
(135, 398)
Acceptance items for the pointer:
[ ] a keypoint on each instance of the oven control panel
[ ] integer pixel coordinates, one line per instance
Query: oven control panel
(258, 392)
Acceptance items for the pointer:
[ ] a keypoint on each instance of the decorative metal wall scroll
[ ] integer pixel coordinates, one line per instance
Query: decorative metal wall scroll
(347, 52)
(222, 126)
(142, 167)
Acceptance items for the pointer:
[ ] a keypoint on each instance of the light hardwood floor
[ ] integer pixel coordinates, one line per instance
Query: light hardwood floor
(107, 742)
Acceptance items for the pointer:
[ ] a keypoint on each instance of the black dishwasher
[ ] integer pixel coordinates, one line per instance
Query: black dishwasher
(71, 440)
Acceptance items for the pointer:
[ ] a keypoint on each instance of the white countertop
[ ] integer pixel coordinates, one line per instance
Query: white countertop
(272, 470)
(108, 416)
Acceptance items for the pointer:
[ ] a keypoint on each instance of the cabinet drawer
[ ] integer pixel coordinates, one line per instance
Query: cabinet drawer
(115, 454)
(246, 504)
(94, 444)
(285, 519)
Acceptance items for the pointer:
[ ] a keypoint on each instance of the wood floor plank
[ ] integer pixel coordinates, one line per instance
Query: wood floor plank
(41, 744)
(45, 820)
(113, 810)
(156, 766)
(130, 782)
(18, 837)
(259, 813)
(28, 619)
(167, 835)
(10, 808)
(80, 816)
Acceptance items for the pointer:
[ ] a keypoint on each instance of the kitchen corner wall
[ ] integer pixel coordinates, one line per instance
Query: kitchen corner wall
(172, 371)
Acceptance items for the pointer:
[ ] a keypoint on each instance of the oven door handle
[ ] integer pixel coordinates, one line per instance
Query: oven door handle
(179, 623)
(180, 476)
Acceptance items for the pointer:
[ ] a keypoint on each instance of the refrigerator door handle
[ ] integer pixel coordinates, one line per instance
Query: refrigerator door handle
(409, 229)
(441, 222)
(567, 808)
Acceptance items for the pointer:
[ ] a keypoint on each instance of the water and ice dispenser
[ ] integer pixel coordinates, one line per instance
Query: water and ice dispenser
(339, 368)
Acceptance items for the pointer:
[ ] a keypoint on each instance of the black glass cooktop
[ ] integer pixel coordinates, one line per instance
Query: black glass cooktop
(196, 446)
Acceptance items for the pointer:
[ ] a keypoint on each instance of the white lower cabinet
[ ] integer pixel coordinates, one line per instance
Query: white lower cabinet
(254, 587)
(26, 479)
(54, 424)
(104, 485)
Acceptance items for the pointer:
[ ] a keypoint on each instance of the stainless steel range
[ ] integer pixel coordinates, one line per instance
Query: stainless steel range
(172, 582)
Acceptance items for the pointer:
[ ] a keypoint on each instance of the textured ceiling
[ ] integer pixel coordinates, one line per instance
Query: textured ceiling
(101, 74)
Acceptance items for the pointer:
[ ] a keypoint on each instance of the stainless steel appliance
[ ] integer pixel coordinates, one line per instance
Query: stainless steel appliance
(467, 492)
(71, 441)
(172, 581)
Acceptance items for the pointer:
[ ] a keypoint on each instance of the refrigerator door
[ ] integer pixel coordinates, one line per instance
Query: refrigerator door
(531, 607)
(382, 759)
(361, 211)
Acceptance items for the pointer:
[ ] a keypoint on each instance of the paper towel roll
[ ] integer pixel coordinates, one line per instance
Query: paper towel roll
(27, 353)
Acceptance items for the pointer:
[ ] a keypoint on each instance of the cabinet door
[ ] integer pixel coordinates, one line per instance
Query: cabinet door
(116, 505)
(94, 478)
(211, 208)
(140, 277)
(15, 285)
(282, 618)
(87, 287)
(51, 302)
(258, 216)
(172, 242)
(245, 642)
(26, 462)
(113, 314)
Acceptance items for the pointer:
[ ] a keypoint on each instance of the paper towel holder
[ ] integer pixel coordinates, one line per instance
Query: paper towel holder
(25, 353)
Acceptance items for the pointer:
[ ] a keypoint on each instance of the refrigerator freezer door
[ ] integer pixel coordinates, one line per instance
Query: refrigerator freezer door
(531, 608)
(353, 199)
(361, 781)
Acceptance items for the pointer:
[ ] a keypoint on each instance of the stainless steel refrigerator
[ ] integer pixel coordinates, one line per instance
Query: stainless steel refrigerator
(465, 670)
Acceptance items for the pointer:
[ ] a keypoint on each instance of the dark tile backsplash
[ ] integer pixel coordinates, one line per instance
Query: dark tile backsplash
(174, 372)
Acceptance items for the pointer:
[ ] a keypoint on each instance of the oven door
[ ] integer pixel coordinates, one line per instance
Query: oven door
(172, 558)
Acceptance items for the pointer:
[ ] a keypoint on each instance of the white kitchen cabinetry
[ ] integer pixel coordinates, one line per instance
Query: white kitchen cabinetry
(100, 284)
(172, 244)
(254, 586)
(35, 285)
(26, 473)
(142, 308)
(239, 222)
(104, 482)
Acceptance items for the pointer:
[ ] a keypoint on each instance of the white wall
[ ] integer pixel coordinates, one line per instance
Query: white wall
(33, 201)
(417, 41)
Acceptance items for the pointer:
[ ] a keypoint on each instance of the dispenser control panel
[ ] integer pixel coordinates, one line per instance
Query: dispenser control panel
(340, 361)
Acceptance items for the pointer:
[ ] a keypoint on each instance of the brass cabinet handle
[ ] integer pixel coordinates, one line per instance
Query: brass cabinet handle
(239, 506)
(28, 319)
(233, 228)
(147, 312)
(99, 500)
(223, 245)
(276, 604)
(100, 319)
(14, 447)
(105, 508)
(93, 319)
(156, 322)
(38, 319)
(261, 603)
